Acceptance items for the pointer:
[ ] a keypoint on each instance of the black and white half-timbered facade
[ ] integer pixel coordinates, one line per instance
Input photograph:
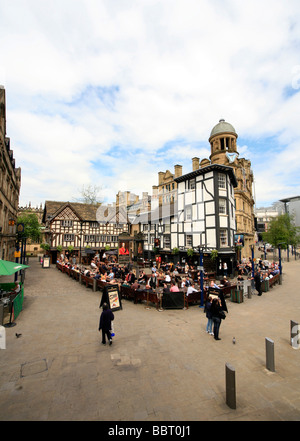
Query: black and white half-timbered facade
(203, 217)
(206, 209)
(79, 227)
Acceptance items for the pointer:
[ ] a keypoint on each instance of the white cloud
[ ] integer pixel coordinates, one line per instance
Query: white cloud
(87, 78)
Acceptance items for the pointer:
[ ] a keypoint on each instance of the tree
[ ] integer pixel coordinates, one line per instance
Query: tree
(89, 194)
(282, 231)
(32, 228)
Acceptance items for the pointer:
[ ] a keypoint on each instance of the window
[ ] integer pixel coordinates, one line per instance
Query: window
(89, 238)
(167, 228)
(188, 213)
(68, 237)
(221, 180)
(222, 206)
(67, 223)
(223, 238)
(167, 242)
(189, 241)
(192, 184)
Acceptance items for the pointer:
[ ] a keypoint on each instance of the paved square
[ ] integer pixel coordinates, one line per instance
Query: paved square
(162, 366)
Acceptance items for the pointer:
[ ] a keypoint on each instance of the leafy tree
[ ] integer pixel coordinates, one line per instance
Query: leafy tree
(32, 228)
(283, 231)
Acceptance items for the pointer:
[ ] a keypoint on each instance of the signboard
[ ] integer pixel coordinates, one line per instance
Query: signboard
(112, 297)
(46, 262)
(124, 256)
(239, 240)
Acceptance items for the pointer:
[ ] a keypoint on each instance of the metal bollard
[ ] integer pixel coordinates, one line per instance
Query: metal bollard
(249, 292)
(2, 338)
(230, 386)
(270, 361)
(295, 334)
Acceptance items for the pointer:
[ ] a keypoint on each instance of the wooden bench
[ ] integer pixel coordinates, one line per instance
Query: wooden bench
(74, 274)
(87, 280)
(194, 297)
(274, 280)
(226, 290)
(127, 292)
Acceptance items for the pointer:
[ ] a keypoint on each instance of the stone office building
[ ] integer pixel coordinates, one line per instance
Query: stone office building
(10, 183)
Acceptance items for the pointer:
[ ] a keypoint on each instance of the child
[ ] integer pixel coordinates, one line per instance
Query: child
(106, 318)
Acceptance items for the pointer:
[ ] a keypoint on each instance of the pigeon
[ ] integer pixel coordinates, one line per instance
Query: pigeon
(233, 340)
(18, 335)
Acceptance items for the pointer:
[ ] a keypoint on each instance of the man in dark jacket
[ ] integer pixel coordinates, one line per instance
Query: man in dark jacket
(106, 318)
(257, 282)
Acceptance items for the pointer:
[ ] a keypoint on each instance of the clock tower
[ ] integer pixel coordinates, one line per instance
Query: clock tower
(223, 144)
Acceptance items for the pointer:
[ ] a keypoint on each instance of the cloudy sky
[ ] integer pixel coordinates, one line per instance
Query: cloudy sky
(110, 92)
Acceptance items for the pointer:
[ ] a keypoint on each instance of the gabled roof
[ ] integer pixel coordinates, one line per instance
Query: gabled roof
(85, 212)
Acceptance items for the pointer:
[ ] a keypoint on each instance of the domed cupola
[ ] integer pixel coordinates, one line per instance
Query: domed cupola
(223, 143)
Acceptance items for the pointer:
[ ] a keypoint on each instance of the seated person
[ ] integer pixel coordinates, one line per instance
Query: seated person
(168, 278)
(142, 278)
(225, 282)
(111, 275)
(103, 277)
(17, 288)
(153, 281)
(135, 285)
(191, 289)
(174, 288)
(188, 282)
(166, 288)
(93, 265)
(213, 284)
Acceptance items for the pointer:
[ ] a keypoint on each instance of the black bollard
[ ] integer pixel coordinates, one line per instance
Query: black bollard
(230, 386)
(270, 361)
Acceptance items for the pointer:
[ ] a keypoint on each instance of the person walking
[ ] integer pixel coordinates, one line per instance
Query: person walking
(207, 310)
(106, 318)
(257, 281)
(215, 310)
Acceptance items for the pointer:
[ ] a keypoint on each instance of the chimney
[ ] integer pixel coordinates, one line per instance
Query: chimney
(195, 162)
(160, 177)
(178, 170)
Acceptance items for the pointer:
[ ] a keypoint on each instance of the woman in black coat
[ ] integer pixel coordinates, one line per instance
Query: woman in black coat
(106, 318)
(215, 311)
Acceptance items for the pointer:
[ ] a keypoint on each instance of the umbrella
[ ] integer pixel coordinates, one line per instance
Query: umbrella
(8, 268)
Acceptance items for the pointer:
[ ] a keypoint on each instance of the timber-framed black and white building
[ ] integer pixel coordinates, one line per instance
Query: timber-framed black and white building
(203, 217)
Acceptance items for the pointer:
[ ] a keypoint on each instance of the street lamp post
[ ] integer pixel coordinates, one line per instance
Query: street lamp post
(201, 275)
(279, 254)
(252, 254)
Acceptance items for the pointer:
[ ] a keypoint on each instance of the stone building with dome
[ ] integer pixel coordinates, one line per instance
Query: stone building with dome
(223, 145)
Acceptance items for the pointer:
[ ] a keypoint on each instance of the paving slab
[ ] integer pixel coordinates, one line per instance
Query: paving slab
(162, 366)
